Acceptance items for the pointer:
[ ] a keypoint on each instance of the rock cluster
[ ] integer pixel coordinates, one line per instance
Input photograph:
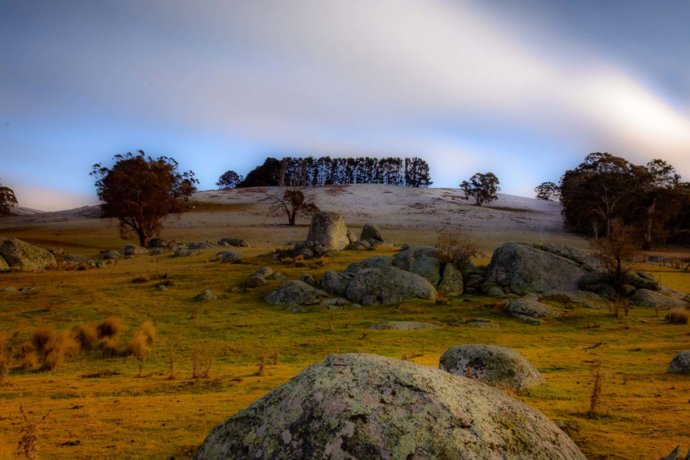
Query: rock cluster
(19, 255)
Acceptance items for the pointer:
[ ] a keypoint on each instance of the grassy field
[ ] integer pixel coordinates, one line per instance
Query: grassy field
(99, 408)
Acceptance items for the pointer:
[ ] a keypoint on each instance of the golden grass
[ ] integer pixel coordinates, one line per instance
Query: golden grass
(96, 400)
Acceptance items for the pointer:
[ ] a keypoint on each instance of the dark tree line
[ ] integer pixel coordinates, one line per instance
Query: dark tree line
(604, 188)
(310, 171)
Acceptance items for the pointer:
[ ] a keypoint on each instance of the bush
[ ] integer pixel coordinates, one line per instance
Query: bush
(456, 248)
(41, 337)
(86, 335)
(110, 347)
(678, 316)
(58, 348)
(110, 327)
(141, 342)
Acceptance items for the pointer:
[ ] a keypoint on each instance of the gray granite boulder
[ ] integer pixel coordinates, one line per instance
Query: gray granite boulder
(422, 260)
(680, 364)
(229, 257)
(328, 229)
(577, 298)
(451, 281)
(20, 255)
(132, 250)
(371, 234)
(386, 286)
(360, 406)
(206, 295)
(654, 299)
(497, 366)
(522, 268)
(293, 294)
(235, 242)
(530, 306)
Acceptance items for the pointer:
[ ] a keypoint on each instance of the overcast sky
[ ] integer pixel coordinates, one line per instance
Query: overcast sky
(521, 88)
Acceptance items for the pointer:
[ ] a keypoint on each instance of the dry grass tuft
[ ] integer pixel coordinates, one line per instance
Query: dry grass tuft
(86, 335)
(5, 357)
(110, 327)
(110, 347)
(59, 347)
(41, 337)
(678, 316)
(595, 396)
(203, 359)
(141, 342)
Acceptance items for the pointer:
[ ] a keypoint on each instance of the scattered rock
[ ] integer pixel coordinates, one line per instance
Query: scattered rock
(159, 243)
(235, 242)
(20, 255)
(206, 295)
(422, 260)
(200, 245)
(308, 278)
(183, 252)
(482, 323)
(451, 281)
(328, 230)
(255, 280)
(371, 234)
(229, 257)
(497, 366)
(366, 406)
(403, 325)
(292, 294)
(680, 364)
(264, 271)
(386, 286)
(653, 299)
(132, 250)
(109, 254)
(522, 268)
(530, 306)
(578, 298)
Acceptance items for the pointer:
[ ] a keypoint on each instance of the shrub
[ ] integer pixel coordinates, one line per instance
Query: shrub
(58, 348)
(41, 337)
(86, 335)
(678, 316)
(25, 353)
(110, 327)
(456, 248)
(202, 362)
(141, 342)
(110, 347)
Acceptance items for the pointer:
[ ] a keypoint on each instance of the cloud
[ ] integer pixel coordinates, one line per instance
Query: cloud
(339, 77)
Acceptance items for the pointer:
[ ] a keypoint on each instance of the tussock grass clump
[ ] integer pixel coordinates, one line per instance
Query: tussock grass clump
(86, 335)
(110, 347)
(110, 327)
(41, 337)
(141, 342)
(59, 347)
(203, 359)
(678, 316)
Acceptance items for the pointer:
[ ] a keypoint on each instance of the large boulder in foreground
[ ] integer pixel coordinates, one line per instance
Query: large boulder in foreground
(497, 366)
(366, 406)
(328, 230)
(521, 268)
(425, 261)
(20, 255)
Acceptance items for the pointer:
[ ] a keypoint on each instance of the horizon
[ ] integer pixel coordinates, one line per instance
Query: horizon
(523, 90)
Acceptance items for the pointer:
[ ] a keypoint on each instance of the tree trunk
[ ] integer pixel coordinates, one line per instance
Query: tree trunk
(291, 219)
(143, 240)
(649, 225)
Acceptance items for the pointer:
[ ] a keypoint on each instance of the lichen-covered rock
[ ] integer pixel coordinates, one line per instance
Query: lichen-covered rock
(264, 271)
(403, 325)
(294, 293)
(206, 295)
(255, 280)
(642, 280)
(235, 242)
(200, 245)
(109, 254)
(364, 406)
(422, 260)
(577, 298)
(653, 299)
(381, 262)
(334, 282)
(451, 282)
(183, 251)
(680, 364)
(522, 268)
(328, 230)
(20, 255)
(371, 234)
(497, 366)
(386, 286)
(132, 250)
(229, 257)
(530, 306)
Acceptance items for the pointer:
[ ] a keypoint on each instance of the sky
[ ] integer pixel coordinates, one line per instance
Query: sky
(524, 89)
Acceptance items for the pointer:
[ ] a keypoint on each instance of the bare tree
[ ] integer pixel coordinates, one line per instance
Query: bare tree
(615, 251)
(292, 203)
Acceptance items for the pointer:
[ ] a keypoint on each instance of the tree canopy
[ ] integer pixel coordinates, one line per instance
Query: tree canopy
(311, 171)
(548, 191)
(482, 187)
(230, 179)
(605, 187)
(140, 191)
(7, 200)
(293, 203)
